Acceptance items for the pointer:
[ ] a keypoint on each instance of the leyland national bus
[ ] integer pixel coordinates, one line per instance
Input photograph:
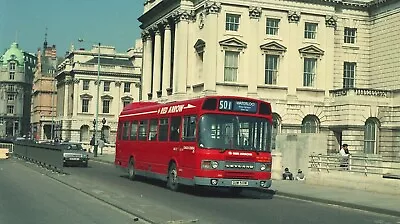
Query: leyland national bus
(218, 141)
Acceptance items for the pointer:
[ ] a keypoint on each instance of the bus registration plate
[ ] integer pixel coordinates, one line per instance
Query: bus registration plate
(240, 183)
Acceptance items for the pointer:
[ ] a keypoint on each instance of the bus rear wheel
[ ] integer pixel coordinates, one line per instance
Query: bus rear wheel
(172, 179)
(131, 169)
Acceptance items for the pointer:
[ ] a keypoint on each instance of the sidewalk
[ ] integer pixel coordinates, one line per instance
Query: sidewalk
(363, 200)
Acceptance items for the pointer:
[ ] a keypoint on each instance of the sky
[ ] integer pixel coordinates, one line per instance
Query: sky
(110, 22)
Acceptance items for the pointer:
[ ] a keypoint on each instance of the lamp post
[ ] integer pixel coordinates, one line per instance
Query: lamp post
(97, 101)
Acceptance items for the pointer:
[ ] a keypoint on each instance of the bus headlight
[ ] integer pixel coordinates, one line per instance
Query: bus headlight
(262, 168)
(208, 164)
(265, 167)
(214, 164)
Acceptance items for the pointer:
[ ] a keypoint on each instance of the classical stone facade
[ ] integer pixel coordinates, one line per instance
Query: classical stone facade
(120, 78)
(16, 74)
(44, 94)
(326, 66)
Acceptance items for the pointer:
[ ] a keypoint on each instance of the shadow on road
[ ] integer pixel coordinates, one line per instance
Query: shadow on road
(210, 191)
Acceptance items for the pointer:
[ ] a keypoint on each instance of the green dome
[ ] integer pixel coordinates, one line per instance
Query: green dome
(13, 53)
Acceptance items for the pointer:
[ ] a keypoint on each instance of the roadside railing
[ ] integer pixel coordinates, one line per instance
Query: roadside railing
(366, 164)
(46, 155)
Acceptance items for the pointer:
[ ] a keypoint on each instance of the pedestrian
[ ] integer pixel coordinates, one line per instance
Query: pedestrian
(101, 145)
(287, 175)
(300, 175)
(91, 143)
(345, 154)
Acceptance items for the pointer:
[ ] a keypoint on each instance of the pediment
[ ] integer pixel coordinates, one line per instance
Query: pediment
(233, 42)
(199, 45)
(87, 96)
(273, 46)
(126, 98)
(311, 49)
(108, 97)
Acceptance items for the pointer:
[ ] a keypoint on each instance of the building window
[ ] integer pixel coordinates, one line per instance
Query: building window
(370, 136)
(126, 102)
(12, 66)
(11, 97)
(106, 86)
(272, 26)
(310, 124)
(85, 105)
(349, 73)
(127, 87)
(231, 66)
(310, 65)
(11, 88)
(271, 69)
(106, 106)
(350, 35)
(12, 75)
(232, 22)
(10, 109)
(86, 84)
(310, 31)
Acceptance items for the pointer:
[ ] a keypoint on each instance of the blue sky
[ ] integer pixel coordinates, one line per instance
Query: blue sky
(108, 22)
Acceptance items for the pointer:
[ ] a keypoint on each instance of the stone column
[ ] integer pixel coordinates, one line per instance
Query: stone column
(180, 69)
(294, 80)
(66, 96)
(211, 49)
(147, 59)
(76, 98)
(157, 63)
(254, 50)
(331, 23)
(166, 72)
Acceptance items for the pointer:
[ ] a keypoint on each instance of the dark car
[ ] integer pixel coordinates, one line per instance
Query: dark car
(74, 154)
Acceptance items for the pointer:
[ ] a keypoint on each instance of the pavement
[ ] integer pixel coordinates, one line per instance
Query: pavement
(362, 200)
(27, 196)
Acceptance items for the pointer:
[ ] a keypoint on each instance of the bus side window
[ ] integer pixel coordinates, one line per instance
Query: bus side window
(189, 128)
(125, 131)
(143, 127)
(134, 127)
(153, 130)
(175, 129)
(163, 130)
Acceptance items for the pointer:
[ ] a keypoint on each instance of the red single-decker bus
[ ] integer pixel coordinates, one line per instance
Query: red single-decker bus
(218, 141)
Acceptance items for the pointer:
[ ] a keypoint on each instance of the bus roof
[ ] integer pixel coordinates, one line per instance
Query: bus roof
(141, 108)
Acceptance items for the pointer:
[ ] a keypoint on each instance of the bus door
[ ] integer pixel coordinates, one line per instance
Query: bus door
(188, 145)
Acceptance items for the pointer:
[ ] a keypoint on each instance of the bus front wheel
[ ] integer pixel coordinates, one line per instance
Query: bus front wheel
(131, 169)
(172, 181)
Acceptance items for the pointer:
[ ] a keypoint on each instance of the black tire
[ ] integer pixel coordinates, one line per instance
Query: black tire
(131, 169)
(172, 179)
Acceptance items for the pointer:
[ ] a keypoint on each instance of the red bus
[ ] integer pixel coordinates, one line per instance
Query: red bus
(217, 141)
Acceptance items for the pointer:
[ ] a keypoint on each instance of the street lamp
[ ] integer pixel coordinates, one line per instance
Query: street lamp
(97, 100)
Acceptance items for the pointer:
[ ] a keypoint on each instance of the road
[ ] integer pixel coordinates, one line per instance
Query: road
(219, 207)
(27, 196)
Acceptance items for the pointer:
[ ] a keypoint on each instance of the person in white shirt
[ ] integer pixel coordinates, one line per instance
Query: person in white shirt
(344, 152)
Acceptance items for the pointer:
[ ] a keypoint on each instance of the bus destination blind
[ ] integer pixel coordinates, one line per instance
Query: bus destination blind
(238, 106)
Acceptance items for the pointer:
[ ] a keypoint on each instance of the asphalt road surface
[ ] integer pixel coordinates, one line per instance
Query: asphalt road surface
(28, 197)
(220, 207)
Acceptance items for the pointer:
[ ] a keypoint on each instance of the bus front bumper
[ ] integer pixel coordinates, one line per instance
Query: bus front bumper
(222, 182)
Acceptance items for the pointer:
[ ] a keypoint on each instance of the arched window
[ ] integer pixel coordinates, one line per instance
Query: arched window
(370, 135)
(276, 128)
(84, 133)
(310, 124)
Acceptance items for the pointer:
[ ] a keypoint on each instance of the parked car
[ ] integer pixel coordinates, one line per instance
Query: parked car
(74, 154)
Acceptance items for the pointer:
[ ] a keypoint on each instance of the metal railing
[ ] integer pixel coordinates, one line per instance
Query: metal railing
(367, 164)
(46, 155)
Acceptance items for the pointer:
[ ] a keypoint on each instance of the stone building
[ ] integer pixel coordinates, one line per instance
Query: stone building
(120, 78)
(327, 66)
(16, 75)
(44, 93)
